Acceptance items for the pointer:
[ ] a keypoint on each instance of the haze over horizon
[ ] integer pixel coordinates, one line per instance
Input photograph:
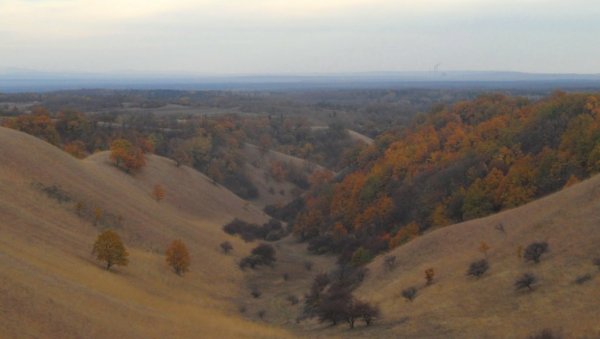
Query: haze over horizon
(274, 37)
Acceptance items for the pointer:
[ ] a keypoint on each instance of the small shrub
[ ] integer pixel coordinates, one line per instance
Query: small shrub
(261, 314)
(534, 251)
(484, 248)
(293, 299)
(361, 256)
(242, 309)
(583, 279)
(308, 265)
(389, 262)
(158, 192)
(270, 231)
(545, 334)
(409, 293)
(429, 274)
(286, 277)
(527, 280)
(597, 262)
(226, 247)
(256, 293)
(478, 268)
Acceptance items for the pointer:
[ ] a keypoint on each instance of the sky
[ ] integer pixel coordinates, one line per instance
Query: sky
(293, 36)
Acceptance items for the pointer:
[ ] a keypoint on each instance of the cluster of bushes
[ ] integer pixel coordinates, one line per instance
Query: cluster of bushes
(330, 298)
(53, 192)
(287, 212)
(272, 230)
(263, 254)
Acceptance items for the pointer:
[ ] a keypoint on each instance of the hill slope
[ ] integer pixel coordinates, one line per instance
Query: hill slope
(51, 286)
(456, 306)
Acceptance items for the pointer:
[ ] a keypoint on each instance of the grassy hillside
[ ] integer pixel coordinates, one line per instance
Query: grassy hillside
(50, 284)
(457, 306)
(272, 191)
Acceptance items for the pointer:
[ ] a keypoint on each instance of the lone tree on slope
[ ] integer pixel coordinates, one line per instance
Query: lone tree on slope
(109, 248)
(478, 268)
(534, 251)
(178, 257)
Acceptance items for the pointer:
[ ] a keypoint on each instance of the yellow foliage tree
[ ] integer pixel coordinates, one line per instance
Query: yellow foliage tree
(110, 249)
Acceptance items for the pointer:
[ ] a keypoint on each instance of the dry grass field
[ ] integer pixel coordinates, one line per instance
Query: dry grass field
(50, 284)
(457, 306)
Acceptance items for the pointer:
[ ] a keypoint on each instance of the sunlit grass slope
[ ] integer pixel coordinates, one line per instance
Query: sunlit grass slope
(50, 284)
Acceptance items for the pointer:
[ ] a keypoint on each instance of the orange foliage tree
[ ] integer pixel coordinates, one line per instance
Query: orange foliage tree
(158, 192)
(178, 257)
(126, 156)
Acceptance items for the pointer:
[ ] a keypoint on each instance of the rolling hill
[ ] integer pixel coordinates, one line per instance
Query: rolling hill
(457, 306)
(50, 284)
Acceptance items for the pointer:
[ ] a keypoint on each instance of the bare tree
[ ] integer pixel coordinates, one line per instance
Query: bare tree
(527, 280)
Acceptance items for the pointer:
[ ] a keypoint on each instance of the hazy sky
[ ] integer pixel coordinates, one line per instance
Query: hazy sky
(294, 36)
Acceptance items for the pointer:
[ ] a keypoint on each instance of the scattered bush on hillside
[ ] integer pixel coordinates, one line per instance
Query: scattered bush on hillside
(478, 268)
(500, 228)
(255, 292)
(308, 265)
(76, 149)
(409, 293)
(293, 299)
(178, 257)
(286, 213)
(109, 248)
(429, 274)
(286, 277)
(389, 262)
(261, 314)
(126, 156)
(338, 304)
(484, 248)
(366, 311)
(53, 192)
(263, 254)
(97, 216)
(545, 334)
(226, 247)
(349, 276)
(580, 280)
(361, 256)
(527, 280)
(597, 262)
(270, 231)
(242, 309)
(534, 251)
(158, 192)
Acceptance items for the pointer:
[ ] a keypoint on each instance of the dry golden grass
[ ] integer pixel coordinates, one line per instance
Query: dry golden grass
(51, 286)
(456, 306)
